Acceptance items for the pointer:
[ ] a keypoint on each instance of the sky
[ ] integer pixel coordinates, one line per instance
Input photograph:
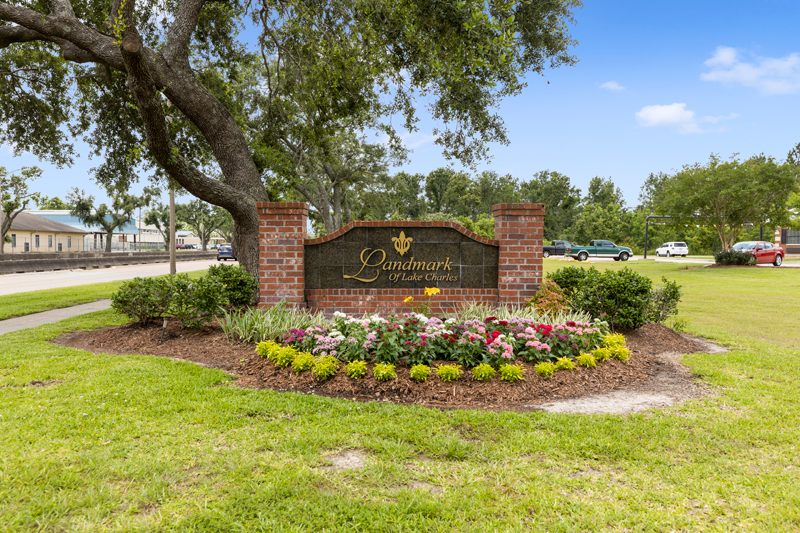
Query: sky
(658, 85)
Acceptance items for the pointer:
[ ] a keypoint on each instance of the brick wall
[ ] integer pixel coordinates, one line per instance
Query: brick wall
(282, 234)
(386, 301)
(519, 229)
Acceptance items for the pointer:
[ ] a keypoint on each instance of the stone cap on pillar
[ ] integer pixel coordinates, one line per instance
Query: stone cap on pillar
(517, 209)
(286, 208)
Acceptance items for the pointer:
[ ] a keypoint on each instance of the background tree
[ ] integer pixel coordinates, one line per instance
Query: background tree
(224, 224)
(55, 203)
(729, 195)
(327, 179)
(142, 72)
(109, 217)
(602, 192)
(561, 199)
(158, 216)
(15, 195)
(200, 217)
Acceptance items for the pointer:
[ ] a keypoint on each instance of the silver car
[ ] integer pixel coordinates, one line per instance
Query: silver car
(670, 249)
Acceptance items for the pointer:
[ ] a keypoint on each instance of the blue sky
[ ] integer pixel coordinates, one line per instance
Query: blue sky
(658, 85)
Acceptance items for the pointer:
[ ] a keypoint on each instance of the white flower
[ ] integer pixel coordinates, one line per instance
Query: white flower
(450, 321)
(338, 314)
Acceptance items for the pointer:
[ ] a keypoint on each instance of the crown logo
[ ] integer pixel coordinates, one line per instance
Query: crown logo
(402, 243)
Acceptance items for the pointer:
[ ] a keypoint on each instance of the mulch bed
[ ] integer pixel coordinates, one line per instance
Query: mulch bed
(207, 346)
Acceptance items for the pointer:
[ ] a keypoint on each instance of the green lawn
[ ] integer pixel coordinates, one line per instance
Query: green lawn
(135, 443)
(27, 303)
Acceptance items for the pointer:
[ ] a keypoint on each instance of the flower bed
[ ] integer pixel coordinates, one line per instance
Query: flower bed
(417, 340)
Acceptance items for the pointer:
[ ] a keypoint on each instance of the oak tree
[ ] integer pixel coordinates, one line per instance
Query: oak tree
(15, 195)
(147, 82)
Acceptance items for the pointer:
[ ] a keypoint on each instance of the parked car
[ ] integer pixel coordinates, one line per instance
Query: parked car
(599, 248)
(180, 246)
(226, 252)
(558, 248)
(672, 248)
(765, 252)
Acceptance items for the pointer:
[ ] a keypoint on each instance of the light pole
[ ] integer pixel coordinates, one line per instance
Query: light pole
(172, 268)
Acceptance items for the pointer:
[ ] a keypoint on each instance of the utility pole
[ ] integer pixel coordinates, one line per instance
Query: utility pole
(172, 268)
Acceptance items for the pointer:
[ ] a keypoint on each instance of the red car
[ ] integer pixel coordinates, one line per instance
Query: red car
(765, 252)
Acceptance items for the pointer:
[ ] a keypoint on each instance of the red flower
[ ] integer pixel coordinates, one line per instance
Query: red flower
(490, 319)
(503, 322)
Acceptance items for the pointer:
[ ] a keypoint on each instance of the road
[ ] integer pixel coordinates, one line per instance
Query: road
(687, 260)
(35, 281)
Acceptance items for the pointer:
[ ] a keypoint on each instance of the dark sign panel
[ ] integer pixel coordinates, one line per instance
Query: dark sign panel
(397, 257)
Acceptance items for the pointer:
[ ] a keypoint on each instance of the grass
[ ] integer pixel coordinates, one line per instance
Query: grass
(26, 303)
(136, 443)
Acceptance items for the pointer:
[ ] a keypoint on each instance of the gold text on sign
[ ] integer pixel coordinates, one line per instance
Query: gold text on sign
(371, 260)
(401, 243)
(365, 263)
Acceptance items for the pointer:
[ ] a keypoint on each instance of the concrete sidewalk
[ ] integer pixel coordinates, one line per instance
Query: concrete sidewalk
(48, 317)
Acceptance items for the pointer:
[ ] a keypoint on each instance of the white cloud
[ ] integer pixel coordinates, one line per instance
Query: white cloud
(723, 56)
(415, 140)
(612, 86)
(714, 120)
(673, 115)
(769, 75)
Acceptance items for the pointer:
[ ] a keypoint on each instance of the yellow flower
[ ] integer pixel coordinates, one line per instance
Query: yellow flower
(431, 291)
(408, 300)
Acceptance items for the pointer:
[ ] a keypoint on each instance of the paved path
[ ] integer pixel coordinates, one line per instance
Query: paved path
(35, 281)
(47, 317)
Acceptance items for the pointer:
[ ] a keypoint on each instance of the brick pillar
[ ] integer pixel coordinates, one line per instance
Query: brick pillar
(282, 229)
(519, 229)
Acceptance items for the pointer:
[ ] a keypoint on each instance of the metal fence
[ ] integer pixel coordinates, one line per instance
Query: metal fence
(51, 244)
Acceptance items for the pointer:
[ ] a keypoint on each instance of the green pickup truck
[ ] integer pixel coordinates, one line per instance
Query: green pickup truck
(599, 248)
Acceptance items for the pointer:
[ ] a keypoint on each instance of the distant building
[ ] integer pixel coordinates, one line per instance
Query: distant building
(788, 239)
(124, 238)
(33, 233)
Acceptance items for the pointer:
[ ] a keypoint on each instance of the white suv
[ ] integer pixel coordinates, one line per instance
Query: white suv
(672, 248)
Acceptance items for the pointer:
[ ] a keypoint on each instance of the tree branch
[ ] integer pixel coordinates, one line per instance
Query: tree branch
(79, 43)
(176, 50)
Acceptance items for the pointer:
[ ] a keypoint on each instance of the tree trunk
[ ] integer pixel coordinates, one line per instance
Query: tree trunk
(109, 236)
(245, 242)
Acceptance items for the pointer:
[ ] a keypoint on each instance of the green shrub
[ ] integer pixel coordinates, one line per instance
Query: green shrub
(303, 361)
(196, 302)
(384, 372)
(483, 372)
(325, 366)
(512, 373)
(420, 373)
(267, 348)
(664, 301)
(239, 285)
(282, 357)
(587, 360)
(615, 339)
(356, 369)
(620, 352)
(546, 370)
(568, 278)
(143, 299)
(564, 363)
(612, 352)
(449, 373)
(601, 354)
(549, 299)
(734, 257)
(621, 297)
